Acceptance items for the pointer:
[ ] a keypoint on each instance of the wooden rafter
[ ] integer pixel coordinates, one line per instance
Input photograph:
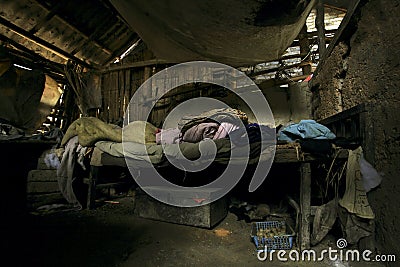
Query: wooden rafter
(27, 35)
(32, 55)
(304, 48)
(54, 70)
(118, 52)
(280, 68)
(343, 29)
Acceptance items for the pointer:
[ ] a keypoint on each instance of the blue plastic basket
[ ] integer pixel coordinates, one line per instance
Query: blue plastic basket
(277, 238)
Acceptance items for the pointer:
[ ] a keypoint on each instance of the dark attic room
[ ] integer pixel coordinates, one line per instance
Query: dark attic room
(200, 133)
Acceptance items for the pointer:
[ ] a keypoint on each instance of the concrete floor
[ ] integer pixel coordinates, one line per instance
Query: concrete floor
(112, 235)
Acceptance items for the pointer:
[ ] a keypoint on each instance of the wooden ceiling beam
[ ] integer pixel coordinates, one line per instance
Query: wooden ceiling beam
(275, 82)
(27, 35)
(85, 36)
(22, 58)
(32, 55)
(117, 53)
(26, 57)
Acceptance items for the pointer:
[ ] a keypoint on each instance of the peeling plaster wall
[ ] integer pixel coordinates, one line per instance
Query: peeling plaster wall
(278, 101)
(299, 102)
(365, 68)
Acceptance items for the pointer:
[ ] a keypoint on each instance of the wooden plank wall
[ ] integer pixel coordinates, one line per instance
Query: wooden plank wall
(117, 89)
(119, 86)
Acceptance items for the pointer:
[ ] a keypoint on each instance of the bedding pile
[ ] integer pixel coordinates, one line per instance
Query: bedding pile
(224, 129)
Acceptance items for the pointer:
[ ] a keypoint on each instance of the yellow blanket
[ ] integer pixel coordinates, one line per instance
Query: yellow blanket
(90, 130)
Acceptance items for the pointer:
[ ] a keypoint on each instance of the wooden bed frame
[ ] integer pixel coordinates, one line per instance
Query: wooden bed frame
(283, 155)
(348, 124)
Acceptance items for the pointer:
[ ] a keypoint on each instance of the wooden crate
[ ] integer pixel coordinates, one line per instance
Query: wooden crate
(206, 216)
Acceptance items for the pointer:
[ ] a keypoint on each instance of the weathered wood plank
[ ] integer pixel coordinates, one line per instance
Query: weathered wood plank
(115, 92)
(320, 24)
(203, 216)
(287, 155)
(42, 187)
(305, 205)
(42, 176)
(128, 86)
(92, 187)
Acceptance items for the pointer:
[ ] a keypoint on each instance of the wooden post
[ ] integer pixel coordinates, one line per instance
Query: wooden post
(320, 25)
(304, 48)
(305, 205)
(91, 197)
(147, 94)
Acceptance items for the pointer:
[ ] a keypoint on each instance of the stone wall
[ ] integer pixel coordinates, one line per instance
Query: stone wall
(364, 67)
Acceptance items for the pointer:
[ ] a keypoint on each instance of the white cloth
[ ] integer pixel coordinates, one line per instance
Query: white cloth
(225, 128)
(65, 173)
(355, 198)
(168, 136)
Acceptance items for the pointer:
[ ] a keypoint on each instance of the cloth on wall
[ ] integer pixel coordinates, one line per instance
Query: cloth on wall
(20, 95)
(86, 86)
(370, 177)
(354, 227)
(305, 129)
(353, 210)
(355, 198)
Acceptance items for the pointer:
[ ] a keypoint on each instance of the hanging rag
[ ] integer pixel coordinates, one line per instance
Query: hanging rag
(355, 198)
(65, 173)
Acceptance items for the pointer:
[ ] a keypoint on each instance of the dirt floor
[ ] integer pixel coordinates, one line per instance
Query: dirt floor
(112, 235)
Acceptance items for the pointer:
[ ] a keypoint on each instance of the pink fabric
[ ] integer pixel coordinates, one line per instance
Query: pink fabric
(168, 136)
(224, 129)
